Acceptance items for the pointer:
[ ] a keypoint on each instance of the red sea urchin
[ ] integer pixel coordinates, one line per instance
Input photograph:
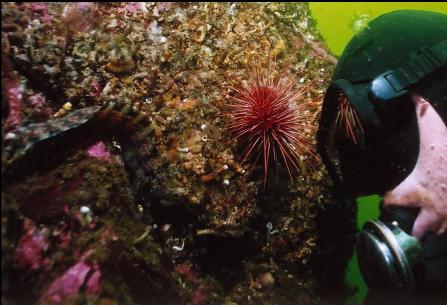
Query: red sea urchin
(271, 115)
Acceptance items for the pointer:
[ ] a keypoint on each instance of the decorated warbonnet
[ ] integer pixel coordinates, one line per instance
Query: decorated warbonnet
(369, 139)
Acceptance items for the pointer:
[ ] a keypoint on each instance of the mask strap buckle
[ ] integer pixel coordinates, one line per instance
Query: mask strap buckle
(396, 83)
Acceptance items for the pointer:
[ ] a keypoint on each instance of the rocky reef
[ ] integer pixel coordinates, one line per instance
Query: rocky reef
(121, 181)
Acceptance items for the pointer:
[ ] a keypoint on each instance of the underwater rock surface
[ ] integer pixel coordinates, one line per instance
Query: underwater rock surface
(121, 181)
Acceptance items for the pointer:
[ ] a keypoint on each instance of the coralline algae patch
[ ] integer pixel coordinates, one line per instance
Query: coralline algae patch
(163, 212)
(100, 151)
(79, 224)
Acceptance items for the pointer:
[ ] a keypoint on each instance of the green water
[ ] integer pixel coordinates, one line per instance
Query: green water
(338, 22)
(368, 207)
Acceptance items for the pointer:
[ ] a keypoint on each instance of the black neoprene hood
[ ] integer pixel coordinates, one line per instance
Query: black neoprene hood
(397, 54)
(388, 42)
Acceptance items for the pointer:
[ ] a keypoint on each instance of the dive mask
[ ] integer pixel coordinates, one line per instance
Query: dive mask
(368, 135)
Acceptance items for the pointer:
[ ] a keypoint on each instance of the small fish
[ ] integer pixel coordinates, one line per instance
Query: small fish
(22, 141)
(132, 127)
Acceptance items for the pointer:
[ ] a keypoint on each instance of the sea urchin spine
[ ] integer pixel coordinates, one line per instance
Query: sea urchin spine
(272, 117)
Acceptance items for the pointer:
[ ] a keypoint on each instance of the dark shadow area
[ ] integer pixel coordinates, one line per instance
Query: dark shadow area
(224, 257)
(336, 226)
(148, 284)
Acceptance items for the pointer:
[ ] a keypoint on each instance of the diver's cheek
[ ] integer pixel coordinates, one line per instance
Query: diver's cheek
(408, 194)
(426, 186)
(428, 220)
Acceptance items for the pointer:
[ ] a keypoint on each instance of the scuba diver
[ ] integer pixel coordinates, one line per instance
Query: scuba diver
(383, 131)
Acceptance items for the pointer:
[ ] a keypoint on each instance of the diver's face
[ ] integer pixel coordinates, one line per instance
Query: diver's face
(426, 186)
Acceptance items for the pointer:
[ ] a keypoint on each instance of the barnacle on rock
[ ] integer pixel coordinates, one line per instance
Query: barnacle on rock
(120, 63)
(150, 81)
